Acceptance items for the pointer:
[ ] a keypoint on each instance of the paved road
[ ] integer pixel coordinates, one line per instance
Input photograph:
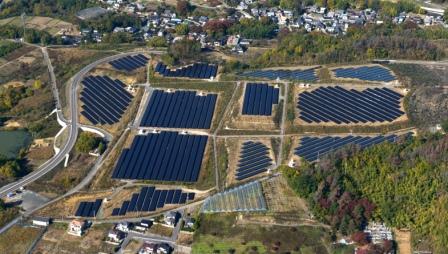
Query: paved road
(72, 126)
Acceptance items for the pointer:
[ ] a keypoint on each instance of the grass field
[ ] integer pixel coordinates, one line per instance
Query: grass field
(219, 233)
(17, 240)
(51, 25)
(57, 240)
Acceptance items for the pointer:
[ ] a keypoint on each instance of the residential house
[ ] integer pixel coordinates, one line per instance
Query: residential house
(115, 237)
(77, 227)
(123, 226)
(171, 218)
(148, 248)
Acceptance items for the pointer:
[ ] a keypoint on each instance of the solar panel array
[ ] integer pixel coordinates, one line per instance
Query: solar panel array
(254, 159)
(149, 199)
(129, 63)
(338, 105)
(369, 73)
(105, 100)
(312, 148)
(181, 109)
(164, 156)
(304, 75)
(196, 71)
(88, 209)
(259, 98)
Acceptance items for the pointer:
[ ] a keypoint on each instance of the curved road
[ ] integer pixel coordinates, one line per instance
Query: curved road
(72, 126)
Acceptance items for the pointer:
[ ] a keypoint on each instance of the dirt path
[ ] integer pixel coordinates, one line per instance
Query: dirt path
(403, 239)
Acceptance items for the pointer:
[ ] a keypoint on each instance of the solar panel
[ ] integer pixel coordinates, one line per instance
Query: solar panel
(163, 157)
(303, 75)
(342, 106)
(254, 159)
(258, 99)
(104, 100)
(368, 73)
(312, 148)
(181, 109)
(88, 209)
(130, 63)
(196, 71)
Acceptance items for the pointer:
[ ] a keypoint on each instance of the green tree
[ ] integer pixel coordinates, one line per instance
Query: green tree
(86, 142)
(157, 42)
(182, 29)
(10, 169)
(445, 15)
(444, 126)
(37, 84)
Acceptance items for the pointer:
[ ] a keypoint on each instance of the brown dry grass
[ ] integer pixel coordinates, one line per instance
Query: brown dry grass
(161, 230)
(57, 240)
(133, 246)
(18, 239)
(39, 155)
(185, 238)
(281, 198)
(51, 25)
(403, 239)
(66, 207)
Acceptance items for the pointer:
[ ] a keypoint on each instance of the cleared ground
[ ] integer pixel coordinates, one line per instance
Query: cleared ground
(219, 233)
(57, 240)
(18, 239)
(51, 25)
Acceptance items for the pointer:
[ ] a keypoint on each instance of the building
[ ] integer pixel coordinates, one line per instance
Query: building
(115, 237)
(76, 227)
(171, 218)
(91, 13)
(41, 221)
(163, 248)
(148, 248)
(378, 232)
(123, 226)
(189, 222)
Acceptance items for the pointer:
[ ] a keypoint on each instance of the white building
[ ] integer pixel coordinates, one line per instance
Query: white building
(41, 221)
(76, 227)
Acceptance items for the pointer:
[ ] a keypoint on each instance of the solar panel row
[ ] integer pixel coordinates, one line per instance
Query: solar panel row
(259, 98)
(88, 209)
(304, 75)
(254, 159)
(312, 148)
(338, 105)
(150, 199)
(369, 73)
(130, 63)
(105, 100)
(181, 109)
(164, 156)
(197, 71)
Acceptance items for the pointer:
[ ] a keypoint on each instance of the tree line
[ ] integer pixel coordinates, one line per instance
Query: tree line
(363, 43)
(403, 184)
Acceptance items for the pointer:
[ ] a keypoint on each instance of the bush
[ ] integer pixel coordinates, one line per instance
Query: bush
(87, 142)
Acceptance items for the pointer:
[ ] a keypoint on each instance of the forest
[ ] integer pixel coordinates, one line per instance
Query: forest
(64, 9)
(406, 41)
(403, 184)
(7, 47)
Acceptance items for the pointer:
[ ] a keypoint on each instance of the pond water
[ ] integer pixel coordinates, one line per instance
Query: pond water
(12, 141)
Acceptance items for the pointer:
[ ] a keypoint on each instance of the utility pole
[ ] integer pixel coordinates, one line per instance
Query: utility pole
(23, 17)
